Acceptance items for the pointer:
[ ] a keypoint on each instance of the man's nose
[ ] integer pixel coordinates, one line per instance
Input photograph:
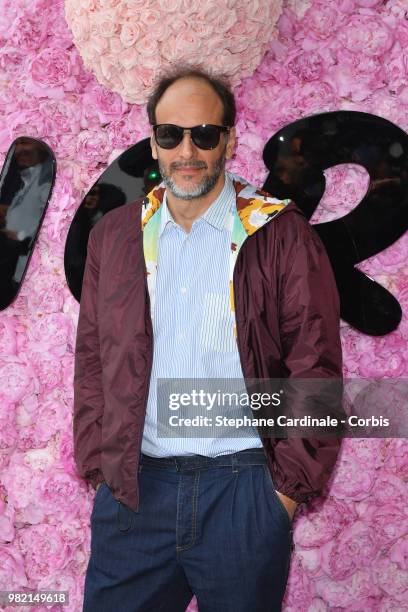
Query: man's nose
(186, 146)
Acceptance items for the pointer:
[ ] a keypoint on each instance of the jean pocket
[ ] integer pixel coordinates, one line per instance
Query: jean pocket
(124, 517)
(275, 496)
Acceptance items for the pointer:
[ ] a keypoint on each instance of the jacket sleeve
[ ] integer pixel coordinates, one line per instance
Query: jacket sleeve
(88, 391)
(309, 324)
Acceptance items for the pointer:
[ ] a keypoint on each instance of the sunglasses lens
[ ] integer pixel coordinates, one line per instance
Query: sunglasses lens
(168, 136)
(206, 137)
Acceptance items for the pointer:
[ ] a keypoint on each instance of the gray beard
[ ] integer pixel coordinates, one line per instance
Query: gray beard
(207, 184)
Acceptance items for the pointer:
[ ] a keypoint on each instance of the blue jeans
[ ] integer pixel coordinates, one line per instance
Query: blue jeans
(210, 527)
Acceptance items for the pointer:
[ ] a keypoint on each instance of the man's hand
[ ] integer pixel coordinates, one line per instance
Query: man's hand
(11, 235)
(289, 504)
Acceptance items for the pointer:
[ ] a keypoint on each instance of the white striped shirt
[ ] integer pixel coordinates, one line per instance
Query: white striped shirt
(192, 324)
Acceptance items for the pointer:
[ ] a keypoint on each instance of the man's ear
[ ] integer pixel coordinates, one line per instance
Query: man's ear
(153, 146)
(230, 148)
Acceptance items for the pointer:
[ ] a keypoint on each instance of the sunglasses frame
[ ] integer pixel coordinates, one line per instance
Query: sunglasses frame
(220, 128)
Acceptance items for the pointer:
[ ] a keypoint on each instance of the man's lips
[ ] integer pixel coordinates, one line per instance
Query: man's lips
(189, 169)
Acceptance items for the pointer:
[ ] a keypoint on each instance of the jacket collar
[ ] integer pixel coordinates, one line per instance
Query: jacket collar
(254, 207)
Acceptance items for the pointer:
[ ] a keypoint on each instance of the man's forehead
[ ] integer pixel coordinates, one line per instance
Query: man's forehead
(192, 96)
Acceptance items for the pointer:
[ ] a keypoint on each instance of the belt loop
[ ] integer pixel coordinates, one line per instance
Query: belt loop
(234, 461)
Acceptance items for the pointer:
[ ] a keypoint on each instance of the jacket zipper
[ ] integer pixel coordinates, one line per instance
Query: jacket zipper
(148, 376)
(234, 284)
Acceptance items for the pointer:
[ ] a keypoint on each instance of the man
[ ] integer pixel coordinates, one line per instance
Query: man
(25, 199)
(207, 277)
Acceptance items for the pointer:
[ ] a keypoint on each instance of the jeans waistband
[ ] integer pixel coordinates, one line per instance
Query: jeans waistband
(250, 456)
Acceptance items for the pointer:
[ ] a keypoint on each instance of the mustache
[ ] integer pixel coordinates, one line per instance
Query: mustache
(177, 165)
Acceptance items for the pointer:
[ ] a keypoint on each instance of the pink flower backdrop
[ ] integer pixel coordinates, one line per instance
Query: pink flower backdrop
(352, 547)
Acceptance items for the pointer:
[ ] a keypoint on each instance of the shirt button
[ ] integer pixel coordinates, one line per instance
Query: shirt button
(184, 290)
(181, 336)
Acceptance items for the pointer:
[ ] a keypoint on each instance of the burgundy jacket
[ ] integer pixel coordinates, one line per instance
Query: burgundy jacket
(287, 318)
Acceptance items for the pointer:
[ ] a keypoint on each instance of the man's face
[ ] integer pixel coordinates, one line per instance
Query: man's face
(27, 153)
(188, 171)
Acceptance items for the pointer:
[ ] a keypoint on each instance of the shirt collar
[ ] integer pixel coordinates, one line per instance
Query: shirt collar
(215, 213)
(30, 173)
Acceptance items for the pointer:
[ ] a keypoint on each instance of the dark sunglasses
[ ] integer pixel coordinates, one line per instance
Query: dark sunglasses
(205, 136)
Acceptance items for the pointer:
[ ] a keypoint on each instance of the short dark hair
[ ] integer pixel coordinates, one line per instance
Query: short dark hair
(219, 83)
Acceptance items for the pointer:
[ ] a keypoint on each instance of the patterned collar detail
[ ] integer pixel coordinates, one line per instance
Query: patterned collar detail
(253, 208)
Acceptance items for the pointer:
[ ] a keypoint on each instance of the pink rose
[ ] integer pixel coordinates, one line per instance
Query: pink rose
(12, 570)
(28, 33)
(48, 292)
(346, 185)
(321, 525)
(149, 19)
(62, 115)
(51, 334)
(366, 35)
(18, 482)
(106, 23)
(9, 326)
(53, 72)
(39, 459)
(351, 591)
(106, 104)
(353, 548)
(44, 550)
(178, 47)
(350, 482)
(147, 46)
(392, 580)
(50, 419)
(16, 379)
(307, 66)
(313, 97)
(47, 370)
(354, 76)
(397, 8)
(299, 7)
(396, 68)
(399, 553)
(385, 365)
(80, 28)
(130, 33)
(8, 431)
(11, 62)
(53, 491)
(129, 58)
(322, 20)
(93, 147)
(388, 521)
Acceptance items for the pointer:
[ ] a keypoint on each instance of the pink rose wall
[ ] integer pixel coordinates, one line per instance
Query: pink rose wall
(351, 548)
